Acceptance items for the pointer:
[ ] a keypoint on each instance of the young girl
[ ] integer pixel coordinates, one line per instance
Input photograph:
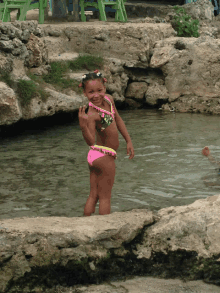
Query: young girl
(101, 121)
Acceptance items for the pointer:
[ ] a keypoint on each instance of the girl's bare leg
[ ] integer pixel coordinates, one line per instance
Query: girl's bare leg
(106, 165)
(93, 196)
(97, 198)
(90, 206)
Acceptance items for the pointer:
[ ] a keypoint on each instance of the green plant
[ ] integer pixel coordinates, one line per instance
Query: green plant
(185, 26)
(27, 90)
(5, 77)
(57, 70)
(87, 62)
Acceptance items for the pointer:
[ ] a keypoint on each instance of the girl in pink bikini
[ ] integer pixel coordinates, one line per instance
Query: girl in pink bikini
(100, 125)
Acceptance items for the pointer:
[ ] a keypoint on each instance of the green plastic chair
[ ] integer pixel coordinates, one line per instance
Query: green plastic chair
(120, 14)
(23, 6)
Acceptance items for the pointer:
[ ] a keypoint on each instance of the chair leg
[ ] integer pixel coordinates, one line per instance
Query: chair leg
(19, 15)
(101, 7)
(41, 12)
(6, 15)
(119, 13)
(124, 11)
(83, 17)
(23, 10)
(22, 15)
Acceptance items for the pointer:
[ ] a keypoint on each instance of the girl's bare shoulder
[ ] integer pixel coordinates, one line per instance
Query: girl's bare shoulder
(109, 96)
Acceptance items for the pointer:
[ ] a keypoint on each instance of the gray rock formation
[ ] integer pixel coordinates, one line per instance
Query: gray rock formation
(175, 242)
(154, 67)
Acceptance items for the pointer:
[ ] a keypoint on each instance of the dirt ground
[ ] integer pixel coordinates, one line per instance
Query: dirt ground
(34, 15)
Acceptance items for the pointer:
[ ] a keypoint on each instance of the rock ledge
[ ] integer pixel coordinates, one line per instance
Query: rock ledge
(174, 242)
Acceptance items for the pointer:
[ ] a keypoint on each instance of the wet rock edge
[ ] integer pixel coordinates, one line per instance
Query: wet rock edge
(181, 264)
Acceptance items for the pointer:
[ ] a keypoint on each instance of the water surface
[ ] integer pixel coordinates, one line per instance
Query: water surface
(45, 173)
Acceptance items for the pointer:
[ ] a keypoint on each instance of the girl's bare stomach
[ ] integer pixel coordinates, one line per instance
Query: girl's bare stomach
(108, 137)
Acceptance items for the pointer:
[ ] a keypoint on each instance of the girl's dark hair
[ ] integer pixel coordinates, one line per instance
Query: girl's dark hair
(91, 76)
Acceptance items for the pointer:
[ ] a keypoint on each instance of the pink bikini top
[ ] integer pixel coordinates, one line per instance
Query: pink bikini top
(106, 117)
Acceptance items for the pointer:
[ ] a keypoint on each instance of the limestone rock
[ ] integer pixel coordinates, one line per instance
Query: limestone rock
(6, 64)
(192, 103)
(183, 70)
(191, 228)
(135, 38)
(18, 70)
(40, 242)
(155, 93)
(136, 90)
(10, 111)
(142, 285)
(41, 70)
(201, 9)
(39, 52)
(13, 36)
(132, 104)
(190, 76)
(56, 102)
(173, 242)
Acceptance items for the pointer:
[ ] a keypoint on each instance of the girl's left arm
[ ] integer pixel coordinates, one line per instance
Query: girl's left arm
(123, 130)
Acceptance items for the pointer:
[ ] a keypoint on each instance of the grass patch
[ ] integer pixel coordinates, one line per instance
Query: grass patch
(27, 90)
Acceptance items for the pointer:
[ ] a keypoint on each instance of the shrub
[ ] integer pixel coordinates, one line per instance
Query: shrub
(57, 70)
(26, 89)
(184, 25)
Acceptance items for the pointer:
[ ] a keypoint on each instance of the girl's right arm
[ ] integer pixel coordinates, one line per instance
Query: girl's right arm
(89, 131)
(87, 125)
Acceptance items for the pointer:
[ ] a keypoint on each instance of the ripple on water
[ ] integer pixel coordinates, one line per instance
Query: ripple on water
(46, 173)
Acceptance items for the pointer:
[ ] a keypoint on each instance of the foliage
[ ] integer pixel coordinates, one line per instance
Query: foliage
(28, 89)
(57, 70)
(185, 26)
(5, 77)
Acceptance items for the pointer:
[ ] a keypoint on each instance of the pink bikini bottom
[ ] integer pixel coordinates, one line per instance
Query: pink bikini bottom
(97, 151)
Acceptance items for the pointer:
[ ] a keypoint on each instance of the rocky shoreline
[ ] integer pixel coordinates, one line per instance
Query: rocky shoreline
(176, 242)
(153, 68)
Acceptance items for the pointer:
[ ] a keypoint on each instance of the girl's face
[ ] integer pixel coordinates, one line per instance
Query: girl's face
(95, 91)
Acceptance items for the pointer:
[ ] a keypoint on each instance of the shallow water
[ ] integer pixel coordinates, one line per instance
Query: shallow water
(45, 173)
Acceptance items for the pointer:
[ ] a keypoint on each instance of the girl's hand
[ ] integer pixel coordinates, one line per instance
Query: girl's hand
(206, 151)
(83, 117)
(130, 149)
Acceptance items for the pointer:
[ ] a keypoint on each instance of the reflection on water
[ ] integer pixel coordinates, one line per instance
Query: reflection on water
(46, 173)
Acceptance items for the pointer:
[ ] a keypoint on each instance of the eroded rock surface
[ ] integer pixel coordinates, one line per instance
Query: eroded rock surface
(142, 285)
(176, 242)
(146, 64)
